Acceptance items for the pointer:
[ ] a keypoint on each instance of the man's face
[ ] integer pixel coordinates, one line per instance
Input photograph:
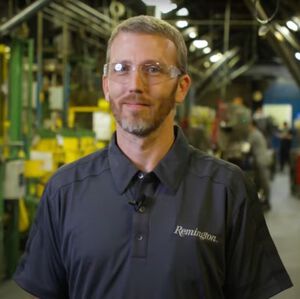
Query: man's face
(138, 106)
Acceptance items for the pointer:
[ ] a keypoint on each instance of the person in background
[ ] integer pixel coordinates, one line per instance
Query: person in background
(285, 136)
(262, 161)
(149, 217)
(265, 124)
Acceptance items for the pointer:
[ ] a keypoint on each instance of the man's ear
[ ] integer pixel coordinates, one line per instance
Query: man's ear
(182, 88)
(105, 87)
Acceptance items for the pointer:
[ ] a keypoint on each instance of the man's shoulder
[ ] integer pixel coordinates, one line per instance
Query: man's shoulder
(90, 165)
(218, 170)
(215, 172)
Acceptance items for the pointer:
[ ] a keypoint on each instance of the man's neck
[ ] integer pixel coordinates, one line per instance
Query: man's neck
(146, 152)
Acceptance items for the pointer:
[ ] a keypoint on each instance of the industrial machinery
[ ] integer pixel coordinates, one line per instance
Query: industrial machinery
(45, 88)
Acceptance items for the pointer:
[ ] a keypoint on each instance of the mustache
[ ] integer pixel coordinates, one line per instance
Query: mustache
(134, 99)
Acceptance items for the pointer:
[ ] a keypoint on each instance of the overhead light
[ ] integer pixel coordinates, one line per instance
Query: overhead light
(207, 50)
(297, 55)
(284, 30)
(296, 20)
(215, 58)
(166, 7)
(163, 6)
(200, 43)
(263, 30)
(192, 34)
(190, 31)
(292, 25)
(182, 24)
(279, 36)
(150, 2)
(206, 64)
(192, 48)
(182, 12)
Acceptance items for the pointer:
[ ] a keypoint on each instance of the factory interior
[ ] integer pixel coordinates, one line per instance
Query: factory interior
(244, 61)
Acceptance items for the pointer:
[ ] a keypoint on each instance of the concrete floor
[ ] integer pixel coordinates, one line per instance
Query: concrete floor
(284, 224)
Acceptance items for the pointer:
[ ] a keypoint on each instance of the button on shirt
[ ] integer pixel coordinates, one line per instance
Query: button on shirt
(200, 232)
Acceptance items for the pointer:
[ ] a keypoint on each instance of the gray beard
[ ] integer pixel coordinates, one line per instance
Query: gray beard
(139, 128)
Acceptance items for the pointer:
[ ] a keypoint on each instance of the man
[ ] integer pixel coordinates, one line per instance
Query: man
(149, 217)
(262, 161)
(285, 145)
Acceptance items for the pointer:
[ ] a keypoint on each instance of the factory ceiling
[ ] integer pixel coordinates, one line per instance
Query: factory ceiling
(228, 40)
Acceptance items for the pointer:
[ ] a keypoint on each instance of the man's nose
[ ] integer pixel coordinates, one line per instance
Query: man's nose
(136, 80)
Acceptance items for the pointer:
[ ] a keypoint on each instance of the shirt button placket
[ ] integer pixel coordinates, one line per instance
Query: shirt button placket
(140, 234)
(140, 237)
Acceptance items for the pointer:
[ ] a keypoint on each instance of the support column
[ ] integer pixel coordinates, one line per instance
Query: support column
(12, 238)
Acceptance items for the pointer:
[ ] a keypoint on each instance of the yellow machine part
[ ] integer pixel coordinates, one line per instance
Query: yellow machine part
(71, 143)
(46, 144)
(34, 168)
(23, 216)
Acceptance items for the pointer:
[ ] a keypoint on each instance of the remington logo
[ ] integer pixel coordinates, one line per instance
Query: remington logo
(184, 232)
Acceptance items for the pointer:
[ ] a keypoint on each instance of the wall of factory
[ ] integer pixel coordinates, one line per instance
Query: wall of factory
(284, 92)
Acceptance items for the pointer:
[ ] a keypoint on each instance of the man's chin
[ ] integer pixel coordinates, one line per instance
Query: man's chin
(141, 130)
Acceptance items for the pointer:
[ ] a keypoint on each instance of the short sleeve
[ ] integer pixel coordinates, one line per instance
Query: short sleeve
(254, 268)
(41, 271)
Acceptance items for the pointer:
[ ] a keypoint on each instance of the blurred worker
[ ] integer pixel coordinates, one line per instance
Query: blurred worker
(149, 217)
(265, 124)
(198, 138)
(262, 161)
(285, 136)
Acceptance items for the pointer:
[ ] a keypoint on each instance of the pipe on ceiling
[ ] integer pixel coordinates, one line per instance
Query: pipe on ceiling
(22, 16)
(281, 48)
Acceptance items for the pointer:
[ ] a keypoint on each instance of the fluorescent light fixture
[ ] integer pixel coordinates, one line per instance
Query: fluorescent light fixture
(296, 20)
(150, 2)
(182, 12)
(284, 30)
(215, 58)
(182, 24)
(297, 55)
(207, 50)
(166, 7)
(193, 34)
(190, 31)
(200, 43)
(292, 25)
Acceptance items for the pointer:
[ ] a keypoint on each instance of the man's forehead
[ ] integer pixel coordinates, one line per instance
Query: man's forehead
(131, 45)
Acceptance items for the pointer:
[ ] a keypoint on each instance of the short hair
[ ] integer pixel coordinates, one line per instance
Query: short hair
(152, 25)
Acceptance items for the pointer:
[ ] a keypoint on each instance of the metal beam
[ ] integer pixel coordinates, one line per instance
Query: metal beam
(226, 43)
(24, 15)
(215, 67)
(281, 47)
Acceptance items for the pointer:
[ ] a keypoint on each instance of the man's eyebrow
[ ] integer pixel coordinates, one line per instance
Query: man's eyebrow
(147, 61)
(122, 61)
(152, 61)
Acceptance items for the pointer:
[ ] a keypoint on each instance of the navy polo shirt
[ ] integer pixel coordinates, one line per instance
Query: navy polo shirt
(198, 232)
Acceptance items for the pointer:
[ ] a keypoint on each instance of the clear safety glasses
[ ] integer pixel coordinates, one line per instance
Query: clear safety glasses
(150, 73)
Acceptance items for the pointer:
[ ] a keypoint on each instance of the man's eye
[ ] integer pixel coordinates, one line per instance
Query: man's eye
(152, 69)
(120, 68)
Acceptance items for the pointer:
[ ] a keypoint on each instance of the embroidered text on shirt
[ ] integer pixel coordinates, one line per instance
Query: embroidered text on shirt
(183, 232)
